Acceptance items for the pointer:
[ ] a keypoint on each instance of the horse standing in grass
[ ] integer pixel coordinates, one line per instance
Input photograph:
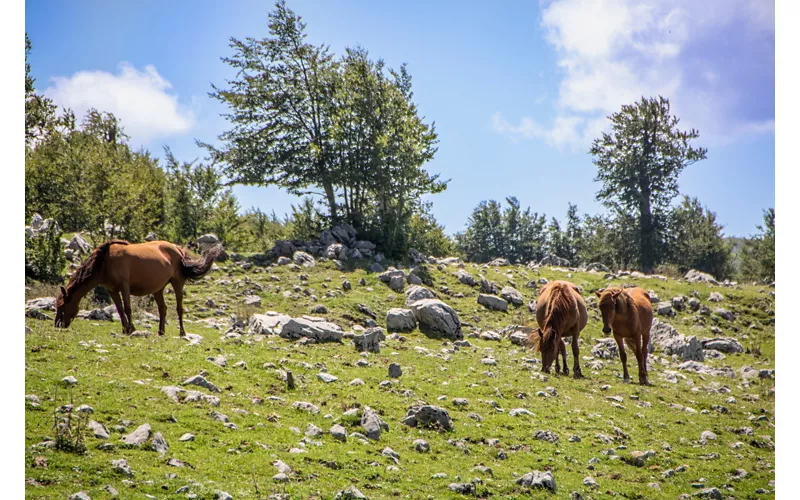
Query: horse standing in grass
(560, 312)
(126, 269)
(629, 314)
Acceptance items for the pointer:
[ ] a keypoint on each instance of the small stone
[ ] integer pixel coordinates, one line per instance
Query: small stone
(339, 433)
(121, 466)
(69, 380)
(327, 377)
(395, 371)
(421, 445)
(186, 437)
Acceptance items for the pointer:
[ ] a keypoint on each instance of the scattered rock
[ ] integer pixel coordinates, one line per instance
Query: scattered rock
(427, 415)
(512, 295)
(421, 446)
(537, 479)
(492, 302)
(201, 381)
(395, 371)
(370, 341)
(121, 466)
(400, 320)
(372, 423)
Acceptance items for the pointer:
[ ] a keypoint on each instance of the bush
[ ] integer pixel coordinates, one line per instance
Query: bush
(44, 256)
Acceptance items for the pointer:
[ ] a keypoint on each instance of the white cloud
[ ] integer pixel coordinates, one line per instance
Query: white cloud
(140, 99)
(613, 52)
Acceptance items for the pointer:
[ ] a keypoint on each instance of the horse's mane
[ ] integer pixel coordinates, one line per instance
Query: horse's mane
(93, 264)
(624, 301)
(561, 301)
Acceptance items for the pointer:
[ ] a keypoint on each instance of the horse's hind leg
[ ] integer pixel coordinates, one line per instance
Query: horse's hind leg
(162, 310)
(126, 301)
(643, 359)
(177, 286)
(576, 362)
(117, 298)
(623, 356)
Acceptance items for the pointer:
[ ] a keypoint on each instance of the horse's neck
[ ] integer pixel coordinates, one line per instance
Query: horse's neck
(85, 287)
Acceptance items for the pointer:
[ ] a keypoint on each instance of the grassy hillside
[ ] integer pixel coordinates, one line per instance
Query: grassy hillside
(600, 421)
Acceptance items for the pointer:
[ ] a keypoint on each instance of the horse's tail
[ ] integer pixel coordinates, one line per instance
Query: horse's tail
(197, 268)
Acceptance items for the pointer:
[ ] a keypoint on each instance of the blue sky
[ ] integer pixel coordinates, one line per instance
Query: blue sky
(517, 90)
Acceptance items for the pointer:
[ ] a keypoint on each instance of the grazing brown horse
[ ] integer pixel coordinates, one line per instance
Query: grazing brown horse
(560, 312)
(629, 314)
(126, 269)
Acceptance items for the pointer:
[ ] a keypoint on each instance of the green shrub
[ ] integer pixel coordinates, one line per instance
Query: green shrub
(44, 256)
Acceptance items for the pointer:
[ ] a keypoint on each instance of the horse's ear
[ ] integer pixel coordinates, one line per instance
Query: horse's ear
(63, 292)
(599, 291)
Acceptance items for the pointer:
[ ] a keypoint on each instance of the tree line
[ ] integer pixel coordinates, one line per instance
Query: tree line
(344, 133)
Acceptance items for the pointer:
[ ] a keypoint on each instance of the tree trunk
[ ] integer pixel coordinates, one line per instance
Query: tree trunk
(331, 197)
(646, 233)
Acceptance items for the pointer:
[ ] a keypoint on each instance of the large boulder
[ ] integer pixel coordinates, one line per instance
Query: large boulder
(417, 292)
(270, 323)
(313, 328)
(41, 303)
(512, 295)
(695, 276)
(400, 320)
(207, 241)
(387, 276)
(372, 423)
(79, 245)
(451, 261)
(465, 278)
(416, 256)
(437, 318)
(492, 302)
(334, 250)
(283, 248)
(723, 344)
(596, 266)
(500, 262)
(303, 259)
(667, 338)
(428, 415)
(370, 341)
(554, 260)
(344, 233)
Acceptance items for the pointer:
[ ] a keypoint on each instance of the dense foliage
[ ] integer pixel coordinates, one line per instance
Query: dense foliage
(758, 254)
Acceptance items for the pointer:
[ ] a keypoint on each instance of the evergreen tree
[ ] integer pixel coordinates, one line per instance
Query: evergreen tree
(638, 165)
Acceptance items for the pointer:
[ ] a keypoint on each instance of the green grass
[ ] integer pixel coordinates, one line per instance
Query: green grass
(121, 377)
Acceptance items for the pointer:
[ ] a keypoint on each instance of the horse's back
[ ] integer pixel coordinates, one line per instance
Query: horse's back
(642, 306)
(579, 313)
(146, 267)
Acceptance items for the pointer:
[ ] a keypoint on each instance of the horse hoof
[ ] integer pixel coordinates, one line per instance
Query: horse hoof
(578, 375)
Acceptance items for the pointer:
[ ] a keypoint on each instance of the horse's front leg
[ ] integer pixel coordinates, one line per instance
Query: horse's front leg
(576, 364)
(117, 298)
(623, 356)
(562, 346)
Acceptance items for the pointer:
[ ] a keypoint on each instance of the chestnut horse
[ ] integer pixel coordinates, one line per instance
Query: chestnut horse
(560, 312)
(126, 269)
(629, 314)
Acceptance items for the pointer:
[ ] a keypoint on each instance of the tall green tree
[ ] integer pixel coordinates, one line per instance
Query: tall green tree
(638, 164)
(345, 129)
(40, 112)
(758, 254)
(698, 241)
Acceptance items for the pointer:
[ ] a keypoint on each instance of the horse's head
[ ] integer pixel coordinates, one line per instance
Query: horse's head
(66, 308)
(548, 346)
(609, 302)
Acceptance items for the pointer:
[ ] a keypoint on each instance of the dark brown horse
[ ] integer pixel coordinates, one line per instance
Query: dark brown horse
(126, 269)
(629, 314)
(560, 312)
